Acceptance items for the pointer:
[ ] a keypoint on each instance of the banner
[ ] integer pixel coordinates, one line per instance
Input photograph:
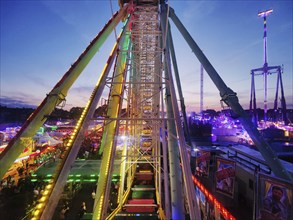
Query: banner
(274, 199)
(202, 163)
(225, 176)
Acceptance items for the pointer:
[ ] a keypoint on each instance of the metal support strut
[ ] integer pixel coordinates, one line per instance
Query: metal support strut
(231, 100)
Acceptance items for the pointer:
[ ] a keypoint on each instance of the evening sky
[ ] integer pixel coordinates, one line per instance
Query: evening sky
(41, 39)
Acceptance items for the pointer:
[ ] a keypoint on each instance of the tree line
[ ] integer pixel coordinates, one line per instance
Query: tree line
(19, 115)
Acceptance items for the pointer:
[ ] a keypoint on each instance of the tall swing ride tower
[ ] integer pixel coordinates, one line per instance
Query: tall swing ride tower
(265, 71)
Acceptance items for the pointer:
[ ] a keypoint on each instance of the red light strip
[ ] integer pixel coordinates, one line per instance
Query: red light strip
(217, 204)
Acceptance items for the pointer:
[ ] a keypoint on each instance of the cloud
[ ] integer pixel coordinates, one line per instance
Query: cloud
(69, 18)
(81, 90)
(239, 53)
(66, 16)
(198, 10)
(205, 93)
(68, 13)
(19, 102)
(35, 80)
(286, 26)
(78, 96)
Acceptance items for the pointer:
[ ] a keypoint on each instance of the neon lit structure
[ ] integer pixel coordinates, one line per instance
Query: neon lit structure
(265, 71)
(155, 148)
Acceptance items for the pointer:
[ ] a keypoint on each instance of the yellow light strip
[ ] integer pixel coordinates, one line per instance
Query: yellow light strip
(100, 207)
(41, 203)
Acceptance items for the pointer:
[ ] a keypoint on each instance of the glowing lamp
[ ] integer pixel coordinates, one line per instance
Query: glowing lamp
(265, 13)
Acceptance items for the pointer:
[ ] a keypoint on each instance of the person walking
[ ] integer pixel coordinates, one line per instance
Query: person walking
(82, 210)
(93, 195)
(64, 212)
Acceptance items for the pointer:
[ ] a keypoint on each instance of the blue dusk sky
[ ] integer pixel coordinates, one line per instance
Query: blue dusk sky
(41, 39)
